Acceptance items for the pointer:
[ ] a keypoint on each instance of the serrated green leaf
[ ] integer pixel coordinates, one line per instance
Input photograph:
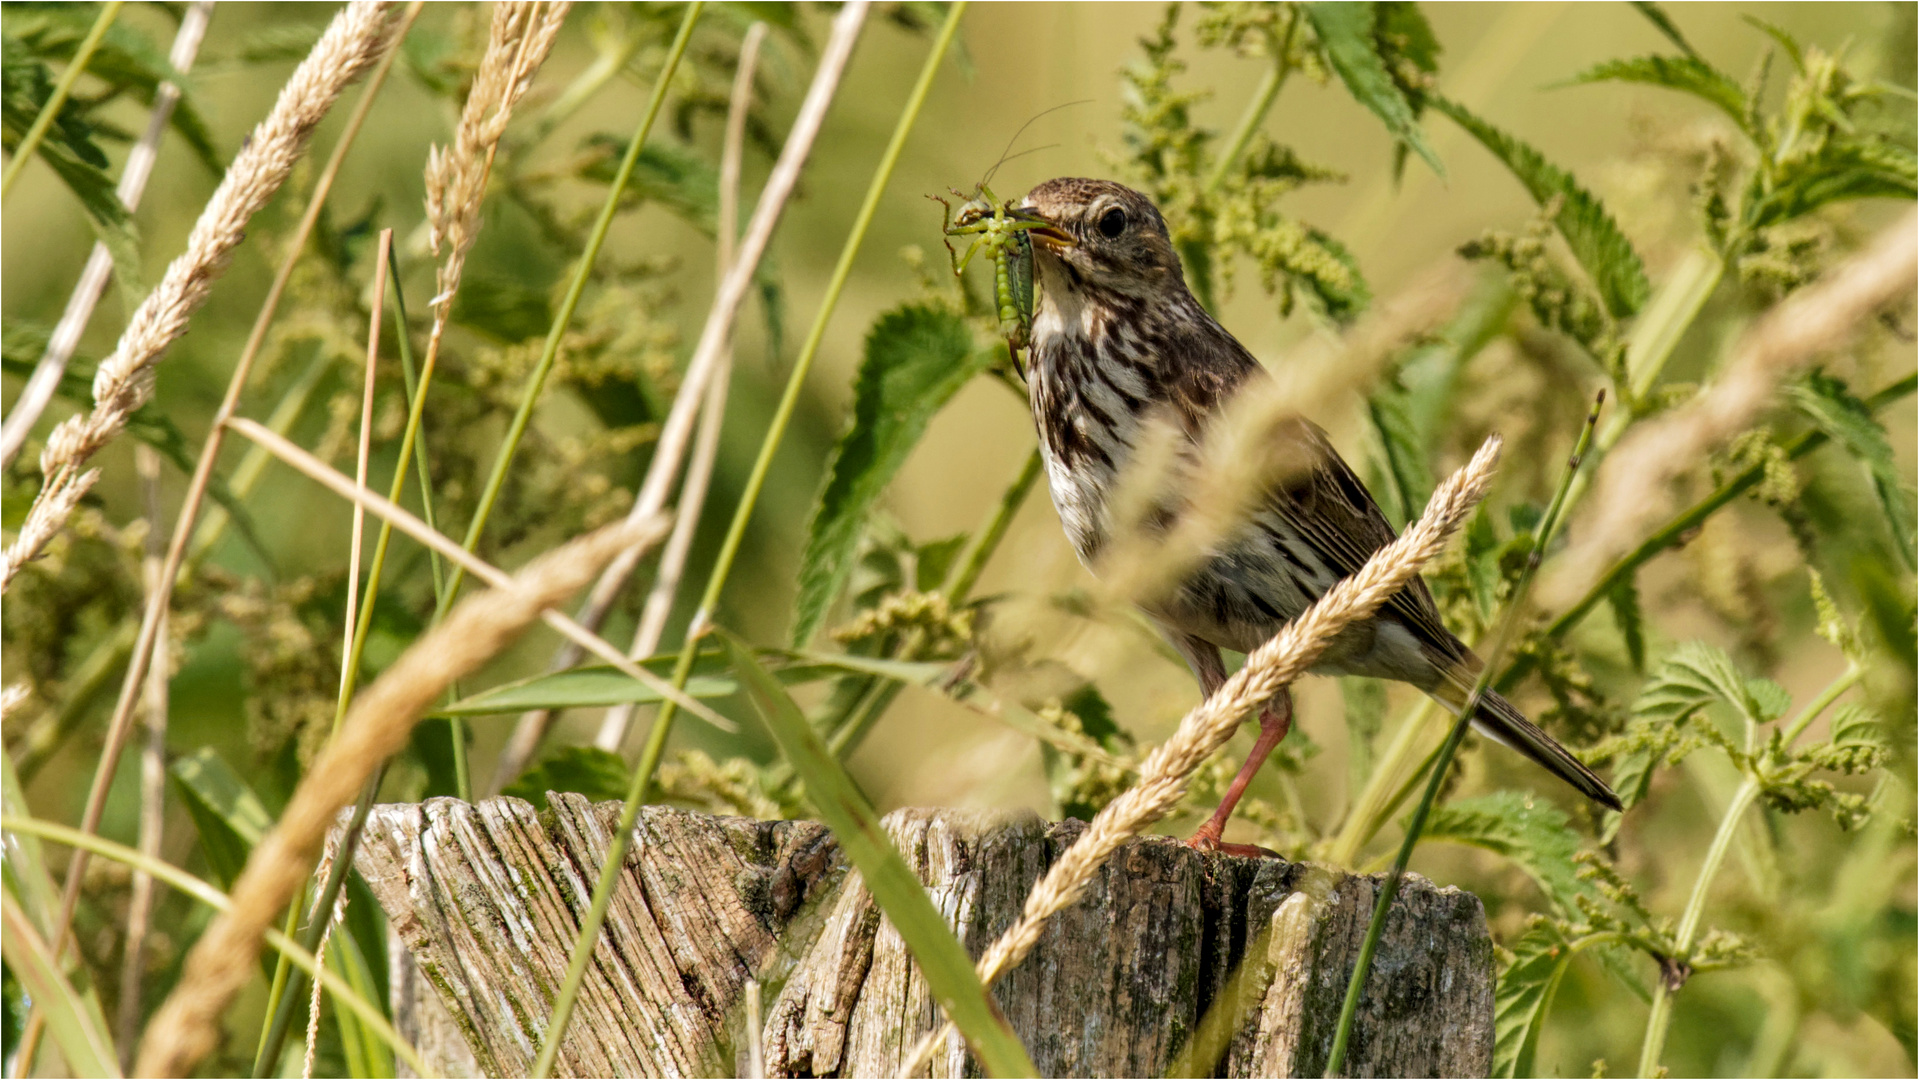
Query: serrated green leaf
(894, 886)
(1624, 599)
(917, 358)
(1786, 41)
(1530, 832)
(1346, 34)
(1838, 172)
(598, 774)
(1854, 724)
(1686, 74)
(230, 818)
(1849, 422)
(1694, 676)
(665, 173)
(1605, 253)
(1524, 995)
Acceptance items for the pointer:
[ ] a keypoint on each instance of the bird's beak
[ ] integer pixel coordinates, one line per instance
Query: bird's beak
(1053, 235)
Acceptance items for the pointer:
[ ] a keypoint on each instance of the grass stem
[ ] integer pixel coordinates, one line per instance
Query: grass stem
(582, 274)
(30, 142)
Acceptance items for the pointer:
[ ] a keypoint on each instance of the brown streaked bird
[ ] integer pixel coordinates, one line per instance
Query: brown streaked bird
(1117, 339)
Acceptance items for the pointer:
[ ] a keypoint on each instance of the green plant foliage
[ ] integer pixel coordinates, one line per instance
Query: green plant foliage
(1829, 404)
(1686, 74)
(1532, 833)
(1605, 253)
(1347, 33)
(600, 775)
(1527, 983)
(1663, 23)
(917, 357)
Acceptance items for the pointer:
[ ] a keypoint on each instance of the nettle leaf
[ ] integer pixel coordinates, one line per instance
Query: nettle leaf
(1786, 41)
(1346, 34)
(1686, 74)
(1605, 253)
(1624, 598)
(666, 173)
(1408, 467)
(1524, 995)
(1697, 675)
(1850, 423)
(1854, 724)
(917, 358)
(1838, 172)
(598, 774)
(1531, 832)
(1657, 16)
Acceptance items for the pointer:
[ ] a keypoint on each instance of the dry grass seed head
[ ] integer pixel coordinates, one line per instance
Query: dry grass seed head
(124, 382)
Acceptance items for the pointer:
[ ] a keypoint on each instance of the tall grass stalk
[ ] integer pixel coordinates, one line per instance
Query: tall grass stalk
(799, 144)
(49, 112)
(582, 275)
(706, 449)
(34, 397)
(1515, 605)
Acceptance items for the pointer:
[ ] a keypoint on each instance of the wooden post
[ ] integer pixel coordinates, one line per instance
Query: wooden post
(1175, 960)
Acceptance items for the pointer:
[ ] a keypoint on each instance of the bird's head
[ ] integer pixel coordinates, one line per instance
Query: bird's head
(1101, 233)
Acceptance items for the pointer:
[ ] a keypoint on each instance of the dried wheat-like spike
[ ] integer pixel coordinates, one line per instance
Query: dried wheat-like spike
(518, 42)
(124, 381)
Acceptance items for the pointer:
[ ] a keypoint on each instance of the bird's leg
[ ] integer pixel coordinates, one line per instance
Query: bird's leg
(1275, 720)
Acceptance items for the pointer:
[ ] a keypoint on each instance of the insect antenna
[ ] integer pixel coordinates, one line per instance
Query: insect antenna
(1007, 155)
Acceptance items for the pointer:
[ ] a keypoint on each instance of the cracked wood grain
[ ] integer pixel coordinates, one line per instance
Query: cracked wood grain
(486, 900)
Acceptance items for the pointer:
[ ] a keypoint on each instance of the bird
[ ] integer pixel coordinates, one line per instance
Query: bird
(1118, 344)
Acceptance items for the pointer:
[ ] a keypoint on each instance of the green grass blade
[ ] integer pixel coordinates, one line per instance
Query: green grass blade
(579, 688)
(917, 357)
(226, 813)
(176, 878)
(80, 1033)
(895, 888)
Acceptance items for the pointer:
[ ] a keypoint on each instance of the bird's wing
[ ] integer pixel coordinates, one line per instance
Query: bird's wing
(1321, 497)
(1336, 515)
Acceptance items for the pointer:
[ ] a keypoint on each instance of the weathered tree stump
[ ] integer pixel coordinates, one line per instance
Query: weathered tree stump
(1239, 964)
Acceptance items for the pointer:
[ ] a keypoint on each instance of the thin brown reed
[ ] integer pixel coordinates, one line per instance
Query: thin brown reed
(187, 1027)
(1166, 771)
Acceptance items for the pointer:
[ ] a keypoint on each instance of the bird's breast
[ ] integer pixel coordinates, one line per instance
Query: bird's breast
(1087, 406)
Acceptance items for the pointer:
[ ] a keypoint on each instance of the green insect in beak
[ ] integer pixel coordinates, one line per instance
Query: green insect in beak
(1000, 230)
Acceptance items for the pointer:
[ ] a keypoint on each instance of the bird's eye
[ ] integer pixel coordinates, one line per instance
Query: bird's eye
(1112, 223)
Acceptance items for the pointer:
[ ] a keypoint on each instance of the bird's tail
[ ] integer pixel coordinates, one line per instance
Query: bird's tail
(1497, 719)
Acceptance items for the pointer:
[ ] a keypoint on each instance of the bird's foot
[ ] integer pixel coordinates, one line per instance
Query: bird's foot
(1208, 840)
